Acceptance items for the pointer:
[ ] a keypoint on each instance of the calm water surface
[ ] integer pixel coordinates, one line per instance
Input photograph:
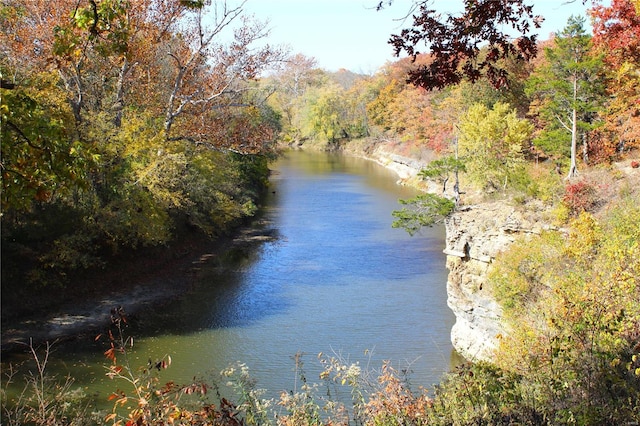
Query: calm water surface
(336, 279)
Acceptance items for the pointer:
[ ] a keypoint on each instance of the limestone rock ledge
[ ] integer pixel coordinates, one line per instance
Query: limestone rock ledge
(474, 237)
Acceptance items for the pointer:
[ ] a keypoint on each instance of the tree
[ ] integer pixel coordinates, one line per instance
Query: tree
(40, 161)
(326, 109)
(616, 35)
(411, 114)
(386, 92)
(289, 86)
(129, 117)
(454, 42)
(422, 210)
(205, 72)
(441, 170)
(492, 143)
(333, 113)
(567, 90)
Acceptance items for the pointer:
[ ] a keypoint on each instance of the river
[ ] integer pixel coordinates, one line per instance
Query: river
(336, 279)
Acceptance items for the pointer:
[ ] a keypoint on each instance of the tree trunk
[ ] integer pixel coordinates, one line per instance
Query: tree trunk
(573, 168)
(456, 185)
(118, 105)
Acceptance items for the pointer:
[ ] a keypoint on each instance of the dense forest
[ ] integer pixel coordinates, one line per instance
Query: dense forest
(128, 124)
(124, 123)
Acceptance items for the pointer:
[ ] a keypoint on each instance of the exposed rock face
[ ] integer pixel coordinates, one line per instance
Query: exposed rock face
(475, 235)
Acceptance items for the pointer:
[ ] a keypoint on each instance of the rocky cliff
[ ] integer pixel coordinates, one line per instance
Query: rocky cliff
(475, 236)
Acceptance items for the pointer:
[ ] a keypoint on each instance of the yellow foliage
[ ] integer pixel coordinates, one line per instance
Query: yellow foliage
(571, 305)
(584, 236)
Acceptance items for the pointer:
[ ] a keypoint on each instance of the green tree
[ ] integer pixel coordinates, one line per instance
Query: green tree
(567, 91)
(289, 87)
(331, 114)
(442, 169)
(492, 143)
(422, 210)
(40, 161)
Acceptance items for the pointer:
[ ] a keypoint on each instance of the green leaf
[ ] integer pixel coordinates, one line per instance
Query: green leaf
(423, 210)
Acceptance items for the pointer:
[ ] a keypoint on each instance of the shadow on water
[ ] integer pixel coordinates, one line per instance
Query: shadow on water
(323, 272)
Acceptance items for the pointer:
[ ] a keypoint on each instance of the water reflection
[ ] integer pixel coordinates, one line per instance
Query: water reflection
(337, 278)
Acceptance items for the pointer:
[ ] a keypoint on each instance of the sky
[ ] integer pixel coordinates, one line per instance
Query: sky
(351, 34)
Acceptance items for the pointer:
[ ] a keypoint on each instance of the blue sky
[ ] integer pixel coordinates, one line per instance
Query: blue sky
(351, 34)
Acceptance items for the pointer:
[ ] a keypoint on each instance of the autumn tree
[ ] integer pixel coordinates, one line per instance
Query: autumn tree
(386, 91)
(288, 86)
(410, 113)
(205, 72)
(40, 160)
(567, 92)
(492, 143)
(454, 41)
(616, 35)
(131, 117)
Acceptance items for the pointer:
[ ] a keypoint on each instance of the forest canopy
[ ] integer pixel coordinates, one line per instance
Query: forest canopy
(134, 118)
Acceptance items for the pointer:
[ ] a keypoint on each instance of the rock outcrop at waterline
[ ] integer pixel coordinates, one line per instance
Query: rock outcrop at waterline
(475, 235)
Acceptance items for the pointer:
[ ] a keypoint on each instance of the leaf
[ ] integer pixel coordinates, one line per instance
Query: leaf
(111, 354)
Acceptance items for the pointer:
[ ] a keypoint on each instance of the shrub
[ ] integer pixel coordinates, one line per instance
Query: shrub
(579, 197)
(571, 308)
(482, 394)
(45, 399)
(545, 184)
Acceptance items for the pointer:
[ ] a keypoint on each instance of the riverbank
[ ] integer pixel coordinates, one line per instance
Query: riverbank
(146, 281)
(403, 159)
(483, 228)
(153, 278)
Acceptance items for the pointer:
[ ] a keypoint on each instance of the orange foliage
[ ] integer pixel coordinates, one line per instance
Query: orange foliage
(617, 35)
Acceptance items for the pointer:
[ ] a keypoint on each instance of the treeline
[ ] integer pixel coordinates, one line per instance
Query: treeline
(574, 104)
(122, 123)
